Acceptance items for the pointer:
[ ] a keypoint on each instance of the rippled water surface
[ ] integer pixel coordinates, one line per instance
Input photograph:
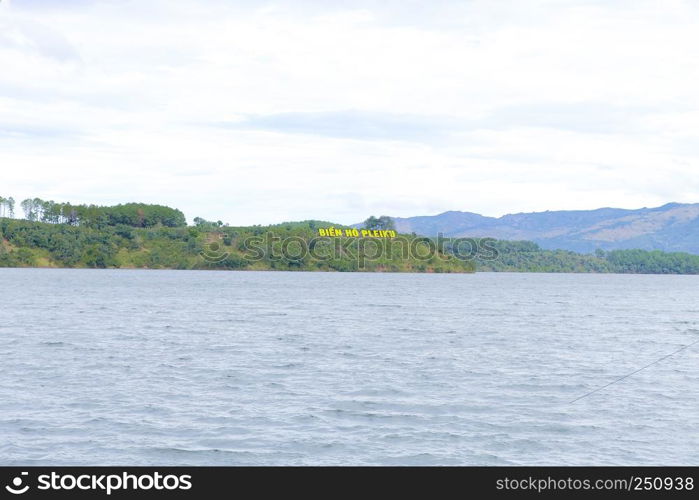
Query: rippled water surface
(216, 368)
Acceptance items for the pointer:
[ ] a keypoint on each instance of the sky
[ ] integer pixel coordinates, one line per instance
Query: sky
(255, 112)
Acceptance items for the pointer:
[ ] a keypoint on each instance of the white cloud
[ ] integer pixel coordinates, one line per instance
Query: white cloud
(256, 112)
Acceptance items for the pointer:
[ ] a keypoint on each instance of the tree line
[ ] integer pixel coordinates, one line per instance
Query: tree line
(130, 214)
(527, 256)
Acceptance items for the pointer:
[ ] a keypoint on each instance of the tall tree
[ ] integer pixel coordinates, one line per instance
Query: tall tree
(383, 222)
(28, 209)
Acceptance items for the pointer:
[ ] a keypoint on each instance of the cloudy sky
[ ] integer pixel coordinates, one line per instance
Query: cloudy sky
(261, 112)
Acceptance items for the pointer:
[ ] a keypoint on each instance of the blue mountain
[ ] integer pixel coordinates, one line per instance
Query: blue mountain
(673, 228)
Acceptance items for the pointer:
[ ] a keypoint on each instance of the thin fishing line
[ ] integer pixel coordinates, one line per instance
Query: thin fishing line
(635, 372)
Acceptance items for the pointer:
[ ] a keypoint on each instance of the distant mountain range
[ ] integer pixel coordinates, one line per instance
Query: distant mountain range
(672, 228)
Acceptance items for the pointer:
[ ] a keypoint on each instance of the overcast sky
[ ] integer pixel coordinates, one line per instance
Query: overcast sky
(261, 112)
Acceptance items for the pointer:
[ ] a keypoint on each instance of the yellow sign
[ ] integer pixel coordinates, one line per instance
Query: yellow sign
(356, 233)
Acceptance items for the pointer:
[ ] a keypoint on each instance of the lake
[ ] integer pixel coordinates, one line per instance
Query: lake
(121, 367)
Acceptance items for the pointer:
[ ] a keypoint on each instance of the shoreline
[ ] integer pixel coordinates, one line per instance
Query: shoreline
(334, 271)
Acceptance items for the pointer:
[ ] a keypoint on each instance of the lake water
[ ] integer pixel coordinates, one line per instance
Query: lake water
(118, 367)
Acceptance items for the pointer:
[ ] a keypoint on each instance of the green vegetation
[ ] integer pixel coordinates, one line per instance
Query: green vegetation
(382, 223)
(290, 247)
(137, 235)
(130, 214)
(525, 256)
(7, 207)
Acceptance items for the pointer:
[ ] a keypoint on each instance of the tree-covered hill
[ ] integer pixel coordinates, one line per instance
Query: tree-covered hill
(137, 235)
(526, 256)
(289, 246)
(129, 214)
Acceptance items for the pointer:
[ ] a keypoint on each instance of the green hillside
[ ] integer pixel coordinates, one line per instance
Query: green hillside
(289, 247)
(526, 256)
(137, 235)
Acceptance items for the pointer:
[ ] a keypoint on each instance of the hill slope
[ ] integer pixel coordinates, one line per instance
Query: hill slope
(672, 227)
